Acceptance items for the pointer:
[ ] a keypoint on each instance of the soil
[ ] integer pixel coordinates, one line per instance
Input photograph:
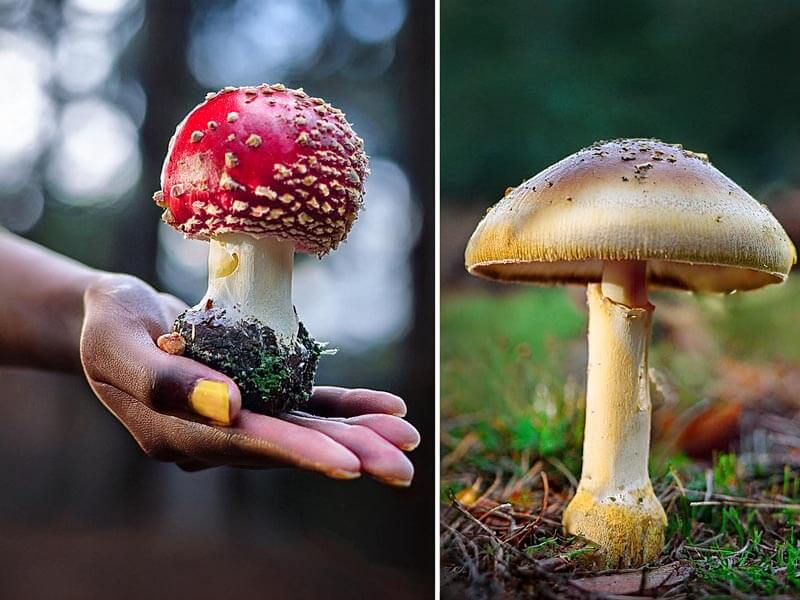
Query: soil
(272, 378)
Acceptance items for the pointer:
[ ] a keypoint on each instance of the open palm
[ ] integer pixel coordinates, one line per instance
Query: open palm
(344, 434)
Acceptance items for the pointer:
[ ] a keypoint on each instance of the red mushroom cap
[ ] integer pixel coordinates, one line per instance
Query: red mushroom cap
(267, 161)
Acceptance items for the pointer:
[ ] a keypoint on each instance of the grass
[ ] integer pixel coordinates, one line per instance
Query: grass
(503, 374)
(747, 541)
(511, 437)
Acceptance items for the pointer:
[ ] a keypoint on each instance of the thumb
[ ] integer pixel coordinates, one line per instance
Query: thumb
(185, 385)
(122, 316)
(213, 395)
(124, 355)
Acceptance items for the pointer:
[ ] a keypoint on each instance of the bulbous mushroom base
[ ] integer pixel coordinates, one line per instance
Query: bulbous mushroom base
(272, 378)
(628, 527)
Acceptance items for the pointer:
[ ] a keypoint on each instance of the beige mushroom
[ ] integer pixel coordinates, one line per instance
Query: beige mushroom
(621, 216)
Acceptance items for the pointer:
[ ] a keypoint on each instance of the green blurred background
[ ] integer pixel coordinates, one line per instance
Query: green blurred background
(526, 83)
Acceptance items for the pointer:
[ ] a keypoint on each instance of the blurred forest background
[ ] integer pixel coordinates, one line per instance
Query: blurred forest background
(91, 92)
(522, 87)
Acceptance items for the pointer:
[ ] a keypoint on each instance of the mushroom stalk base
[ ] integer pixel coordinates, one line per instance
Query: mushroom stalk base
(252, 279)
(615, 506)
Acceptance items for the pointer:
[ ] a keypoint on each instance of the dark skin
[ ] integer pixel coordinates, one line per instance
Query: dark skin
(61, 315)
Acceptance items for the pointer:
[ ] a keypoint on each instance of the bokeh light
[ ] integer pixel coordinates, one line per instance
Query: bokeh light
(182, 264)
(98, 15)
(360, 295)
(255, 40)
(21, 209)
(96, 158)
(373, 21)
(13, 12)
(27, 109)
(83, 60)
(129, 95)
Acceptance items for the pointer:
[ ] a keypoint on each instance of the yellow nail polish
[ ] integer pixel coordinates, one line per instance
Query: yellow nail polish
(210, 399)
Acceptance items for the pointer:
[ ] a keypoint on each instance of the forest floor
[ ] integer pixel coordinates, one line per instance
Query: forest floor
(725, 462)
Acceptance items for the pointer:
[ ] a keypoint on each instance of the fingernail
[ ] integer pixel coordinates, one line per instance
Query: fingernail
(410, 447)
(342, 474)
(401, 483)
(210, 399)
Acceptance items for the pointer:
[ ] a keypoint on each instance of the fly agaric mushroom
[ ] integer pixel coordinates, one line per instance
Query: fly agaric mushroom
(620, 216)
(260, 172)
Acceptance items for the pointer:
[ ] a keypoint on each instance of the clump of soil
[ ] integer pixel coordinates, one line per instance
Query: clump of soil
(272, 378)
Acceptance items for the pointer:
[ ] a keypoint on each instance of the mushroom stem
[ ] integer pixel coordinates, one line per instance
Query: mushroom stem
(625, 282)
(251, 278)
(615, 506)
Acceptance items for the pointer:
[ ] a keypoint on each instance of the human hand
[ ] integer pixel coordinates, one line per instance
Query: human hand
(156, 396)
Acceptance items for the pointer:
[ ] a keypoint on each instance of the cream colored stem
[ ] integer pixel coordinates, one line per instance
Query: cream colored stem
(252, 278)
(625, 282)
(614, 505)
(617, 435)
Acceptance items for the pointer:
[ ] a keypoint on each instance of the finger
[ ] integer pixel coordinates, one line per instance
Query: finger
(394, 430)
(116, 348)
(257, 441)
(329, 401)
(166, 382)
(299, 446)
(378, 457)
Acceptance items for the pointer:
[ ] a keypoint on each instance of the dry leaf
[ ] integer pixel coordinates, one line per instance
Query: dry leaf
(636, 582)
(715, 428)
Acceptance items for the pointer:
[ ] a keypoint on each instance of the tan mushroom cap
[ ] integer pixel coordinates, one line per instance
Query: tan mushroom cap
(632, 199)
